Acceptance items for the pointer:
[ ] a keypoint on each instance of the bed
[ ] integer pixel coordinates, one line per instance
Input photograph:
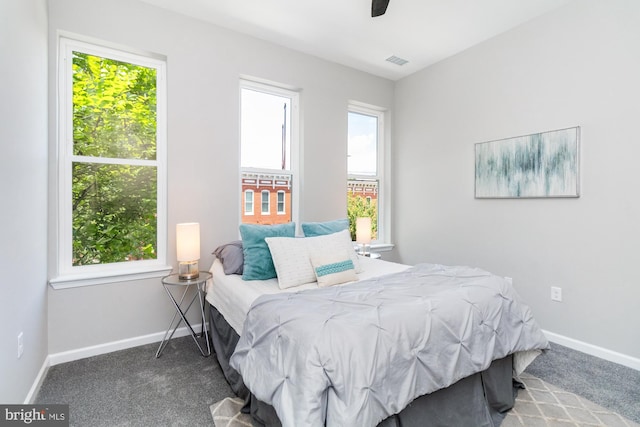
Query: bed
(367, 352)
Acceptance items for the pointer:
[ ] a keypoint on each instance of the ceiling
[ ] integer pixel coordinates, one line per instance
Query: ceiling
(421, 31)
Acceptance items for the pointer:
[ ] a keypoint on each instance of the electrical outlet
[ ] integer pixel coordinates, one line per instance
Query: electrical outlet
(20, 345)
(556, 294)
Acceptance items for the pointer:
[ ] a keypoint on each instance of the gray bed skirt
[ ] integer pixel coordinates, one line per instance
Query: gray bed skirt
(479, 400)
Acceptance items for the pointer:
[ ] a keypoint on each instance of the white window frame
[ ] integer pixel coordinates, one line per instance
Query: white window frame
(68, 275)
(383, 236)
(294, 155)
(262, 210)
(282, 211)
(246, 194)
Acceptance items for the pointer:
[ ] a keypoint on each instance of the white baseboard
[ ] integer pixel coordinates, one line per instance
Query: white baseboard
(81, 353)
(33, 392)
(594, 350)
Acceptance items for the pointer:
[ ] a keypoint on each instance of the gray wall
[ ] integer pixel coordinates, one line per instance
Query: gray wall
(578, 66)
(204, 65)
(23, 177)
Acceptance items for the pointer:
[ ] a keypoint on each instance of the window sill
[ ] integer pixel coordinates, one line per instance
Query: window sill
(89, 279)
(382, 247)
(376, 247)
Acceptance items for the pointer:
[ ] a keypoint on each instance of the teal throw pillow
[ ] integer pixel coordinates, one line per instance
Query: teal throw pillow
(311, 229)
(258, 264)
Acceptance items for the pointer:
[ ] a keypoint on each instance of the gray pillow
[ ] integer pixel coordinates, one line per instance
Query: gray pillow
(231, 257)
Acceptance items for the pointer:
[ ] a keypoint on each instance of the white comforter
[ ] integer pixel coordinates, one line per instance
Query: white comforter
(356, 354)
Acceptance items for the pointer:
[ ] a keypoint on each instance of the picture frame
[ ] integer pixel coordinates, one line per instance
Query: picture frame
(538, 165)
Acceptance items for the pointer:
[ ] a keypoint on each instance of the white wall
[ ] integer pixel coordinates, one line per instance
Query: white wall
(204, 65)
(578, 66)
(23, 177)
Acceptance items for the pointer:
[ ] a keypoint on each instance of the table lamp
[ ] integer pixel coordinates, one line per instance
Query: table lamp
(188, 249)
(363, 233)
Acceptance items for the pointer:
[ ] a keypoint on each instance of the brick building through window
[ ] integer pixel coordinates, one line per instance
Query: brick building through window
(266, 198)
(368, 190)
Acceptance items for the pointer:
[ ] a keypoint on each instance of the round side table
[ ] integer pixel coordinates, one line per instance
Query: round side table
(173, 281)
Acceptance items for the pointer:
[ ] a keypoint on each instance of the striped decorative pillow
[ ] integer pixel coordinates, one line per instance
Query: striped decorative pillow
(333, 269)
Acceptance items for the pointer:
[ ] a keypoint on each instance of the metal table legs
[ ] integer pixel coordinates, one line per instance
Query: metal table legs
(182, 313)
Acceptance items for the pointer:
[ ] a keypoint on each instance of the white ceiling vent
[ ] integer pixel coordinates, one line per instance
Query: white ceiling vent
(396, 60)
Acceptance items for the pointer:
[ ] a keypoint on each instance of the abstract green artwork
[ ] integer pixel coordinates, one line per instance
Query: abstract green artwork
(542, 164)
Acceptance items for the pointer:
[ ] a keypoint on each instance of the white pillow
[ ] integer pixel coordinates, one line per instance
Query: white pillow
(292, 256)
(331, 243)
(291, 259)
(333, 269)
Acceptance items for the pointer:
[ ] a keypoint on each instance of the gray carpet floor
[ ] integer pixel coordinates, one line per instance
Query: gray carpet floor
(133, 388)
(610, 385)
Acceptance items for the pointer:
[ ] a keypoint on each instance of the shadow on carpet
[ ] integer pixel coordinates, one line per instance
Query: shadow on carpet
(539, 404)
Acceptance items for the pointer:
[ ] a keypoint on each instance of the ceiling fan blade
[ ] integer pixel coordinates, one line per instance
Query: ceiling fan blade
(378, 7)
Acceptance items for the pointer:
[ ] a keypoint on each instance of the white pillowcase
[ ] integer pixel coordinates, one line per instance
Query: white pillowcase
(333, 269)
(292, 255)
(291, 260)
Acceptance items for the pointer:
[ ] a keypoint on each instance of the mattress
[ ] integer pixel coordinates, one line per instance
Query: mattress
(233, 297)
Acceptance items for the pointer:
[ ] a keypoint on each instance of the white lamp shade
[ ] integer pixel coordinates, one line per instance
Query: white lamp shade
(188, 241)
(363, 230)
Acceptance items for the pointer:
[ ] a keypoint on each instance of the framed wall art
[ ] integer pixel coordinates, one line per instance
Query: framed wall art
(542, 164)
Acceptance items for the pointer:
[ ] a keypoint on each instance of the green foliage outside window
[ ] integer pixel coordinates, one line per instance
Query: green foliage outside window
(359, 207)
(114, 122)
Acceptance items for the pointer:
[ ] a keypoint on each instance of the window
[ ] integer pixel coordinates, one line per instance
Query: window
(281, 203)
(248, 202)
(265, 202)
(365, 165)
(112, 145)
(269, 147)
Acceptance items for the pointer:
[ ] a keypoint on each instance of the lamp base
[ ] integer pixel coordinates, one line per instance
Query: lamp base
(188, 270)
(363, 249)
